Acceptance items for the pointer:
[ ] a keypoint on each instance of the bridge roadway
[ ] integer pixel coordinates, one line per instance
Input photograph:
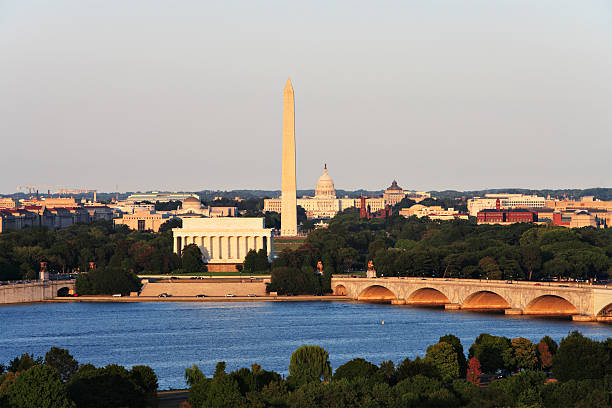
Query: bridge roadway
(582, 302)
(35, 291)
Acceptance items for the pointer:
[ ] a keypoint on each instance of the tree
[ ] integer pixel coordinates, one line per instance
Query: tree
(544, 355)
(456, 343)
(39, 386)
(192, 260)
(144, 377)
(473, 371)
(23, 363)
(309, 363)
(62, 361)
(171, 223)
(491, 352)
(444, 357)
(579, 358)
(291, 280)
(108, 280)
(532, 258)
(110, 386)
(255, 262)
(523, 354)
(490, 268)
(357, 367)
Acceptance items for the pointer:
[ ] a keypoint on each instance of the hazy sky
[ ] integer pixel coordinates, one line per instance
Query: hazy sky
(187, 95)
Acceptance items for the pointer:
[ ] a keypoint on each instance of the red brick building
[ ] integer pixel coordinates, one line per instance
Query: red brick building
(499, 216)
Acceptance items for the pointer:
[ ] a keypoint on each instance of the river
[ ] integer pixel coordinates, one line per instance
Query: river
(170, 336)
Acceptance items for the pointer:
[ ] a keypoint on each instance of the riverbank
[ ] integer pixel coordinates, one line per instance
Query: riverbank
(136, 299)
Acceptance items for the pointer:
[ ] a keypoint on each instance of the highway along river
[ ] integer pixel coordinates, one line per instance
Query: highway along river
(171, 336)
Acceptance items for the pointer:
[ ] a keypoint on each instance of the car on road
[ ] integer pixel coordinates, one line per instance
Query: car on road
(251, 295)
(201, 295)
(229, 295)
(163, 295)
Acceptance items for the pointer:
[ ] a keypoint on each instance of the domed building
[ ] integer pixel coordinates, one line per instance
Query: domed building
(192, 207)
(324, 204)
(325, 186)
(191, 204)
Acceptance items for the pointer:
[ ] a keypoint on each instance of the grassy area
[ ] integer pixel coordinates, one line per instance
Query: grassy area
(281, 243)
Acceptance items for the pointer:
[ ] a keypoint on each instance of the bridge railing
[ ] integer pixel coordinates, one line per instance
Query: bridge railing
(481, 281)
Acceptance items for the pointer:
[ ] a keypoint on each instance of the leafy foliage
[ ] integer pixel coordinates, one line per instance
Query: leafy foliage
(309, 363)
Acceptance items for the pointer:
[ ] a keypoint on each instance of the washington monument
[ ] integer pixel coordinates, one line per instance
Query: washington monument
(288, 192)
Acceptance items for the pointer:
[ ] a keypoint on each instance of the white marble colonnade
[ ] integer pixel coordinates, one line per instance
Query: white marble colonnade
(225, 248)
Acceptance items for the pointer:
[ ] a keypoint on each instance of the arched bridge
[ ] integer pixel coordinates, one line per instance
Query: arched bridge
(35, 291)
(585, 303)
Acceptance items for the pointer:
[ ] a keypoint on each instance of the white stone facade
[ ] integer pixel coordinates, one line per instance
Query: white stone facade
(223, 240)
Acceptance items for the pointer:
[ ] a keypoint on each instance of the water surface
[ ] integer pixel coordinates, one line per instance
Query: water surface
(170, 336)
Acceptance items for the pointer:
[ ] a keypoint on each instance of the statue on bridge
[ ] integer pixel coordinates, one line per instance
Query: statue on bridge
(370, 272)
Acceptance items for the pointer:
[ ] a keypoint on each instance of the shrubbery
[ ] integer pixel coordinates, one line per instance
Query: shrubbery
(59, 382)
(107, 281)
(441, 380)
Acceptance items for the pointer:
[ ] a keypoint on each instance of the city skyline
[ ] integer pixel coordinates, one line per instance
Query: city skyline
(189, 101)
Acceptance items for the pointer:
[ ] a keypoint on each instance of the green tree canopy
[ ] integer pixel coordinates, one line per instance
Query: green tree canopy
(309, 363)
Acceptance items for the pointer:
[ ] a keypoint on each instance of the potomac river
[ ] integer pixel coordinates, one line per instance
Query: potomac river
(170, 336)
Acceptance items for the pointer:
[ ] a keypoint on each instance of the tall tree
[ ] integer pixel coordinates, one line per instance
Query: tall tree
(309, 363)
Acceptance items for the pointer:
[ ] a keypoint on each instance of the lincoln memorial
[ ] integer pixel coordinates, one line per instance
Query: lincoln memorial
(224, 242)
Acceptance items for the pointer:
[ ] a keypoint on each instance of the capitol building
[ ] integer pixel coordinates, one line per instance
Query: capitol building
(325, 204)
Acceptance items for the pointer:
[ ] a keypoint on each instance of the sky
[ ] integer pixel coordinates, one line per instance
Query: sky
(187, 95)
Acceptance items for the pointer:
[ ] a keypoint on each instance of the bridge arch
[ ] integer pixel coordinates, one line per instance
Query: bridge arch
(340, 290)
(485, 300)
(427, 296)
(550, 305)
(605, 311)
(63, 291)
(376, 293)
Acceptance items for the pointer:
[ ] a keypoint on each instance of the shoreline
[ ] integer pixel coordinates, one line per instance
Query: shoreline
(143, 299)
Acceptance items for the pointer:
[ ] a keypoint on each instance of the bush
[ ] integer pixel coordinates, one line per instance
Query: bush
(290, 280)
(107, 281)
(40, 387)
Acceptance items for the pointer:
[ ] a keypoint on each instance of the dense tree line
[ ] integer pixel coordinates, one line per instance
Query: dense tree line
(461, 249)
(73, 248)
(519, 370)
(59, 381)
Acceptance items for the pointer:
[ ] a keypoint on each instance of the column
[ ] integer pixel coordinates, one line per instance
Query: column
(221, 248)
(255, 243)
(212, 247)
(238, 247)
(245, 247)
(228, 250)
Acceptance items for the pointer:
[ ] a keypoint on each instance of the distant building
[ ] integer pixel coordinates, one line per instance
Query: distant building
(142, 220)
(585, 203)
(393, 194)
(160, 197)
(53, 217)
(224, 242)
(365, 210)
(506, 201)
(433, 212)
(501, 216)
(51, 202)
(7, 203)
(324, 204)
(192, 207)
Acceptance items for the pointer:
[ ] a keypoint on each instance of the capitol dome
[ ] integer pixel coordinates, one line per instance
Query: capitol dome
(191, 204)
(325, 186)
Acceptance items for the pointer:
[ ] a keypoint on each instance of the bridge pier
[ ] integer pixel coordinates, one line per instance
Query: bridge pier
(398, 302)
(513, 311)
(584, 318)
(452, 306)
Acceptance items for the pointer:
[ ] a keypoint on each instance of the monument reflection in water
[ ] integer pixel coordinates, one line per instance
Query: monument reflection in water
(173, 336)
